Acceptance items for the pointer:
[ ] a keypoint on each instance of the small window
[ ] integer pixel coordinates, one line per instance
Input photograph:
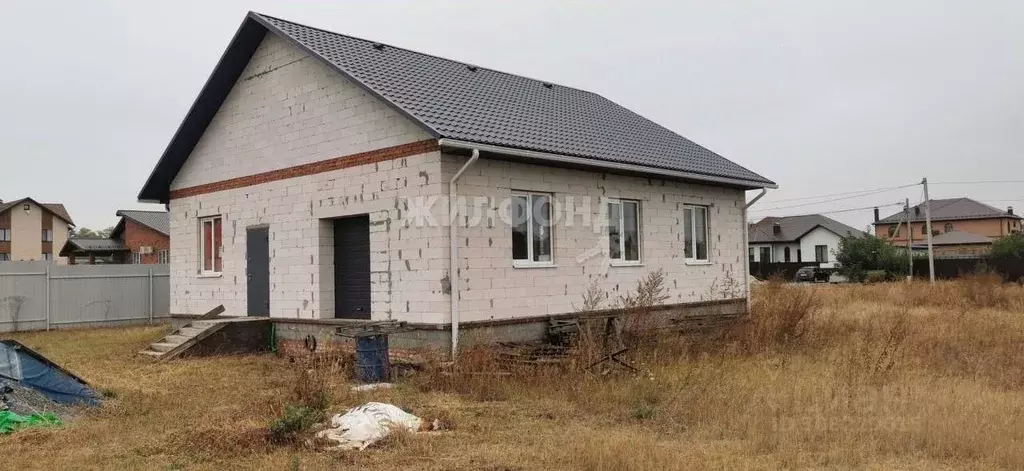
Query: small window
(624, 231)
(695, 233)
(894, 231)
(924, 229)
(948, 227)
(47, 235)
(785, 254)
(821, 253)
(136, 258)
(47, 256)
(531, 229)
(5, 257)
(210, 245)
(163, 256)
(750, 252)
(5, 235)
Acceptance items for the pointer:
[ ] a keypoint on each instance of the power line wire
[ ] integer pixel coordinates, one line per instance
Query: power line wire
(873, 192)
(844, 193)
(847, 210)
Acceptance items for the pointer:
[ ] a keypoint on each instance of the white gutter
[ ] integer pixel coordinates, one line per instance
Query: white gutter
(544, 156)
(746, 245)
(453, 267)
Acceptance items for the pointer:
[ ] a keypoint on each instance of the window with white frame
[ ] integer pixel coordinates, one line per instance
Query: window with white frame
(136, 258)
(210, 245)
(624, 231)
(531, 229)
(47, 235)
(695, 233)
(163, 256)
(5, 235)
(47, 256)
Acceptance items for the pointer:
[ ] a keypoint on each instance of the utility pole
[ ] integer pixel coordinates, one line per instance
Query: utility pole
(928, 228)
(910, 237)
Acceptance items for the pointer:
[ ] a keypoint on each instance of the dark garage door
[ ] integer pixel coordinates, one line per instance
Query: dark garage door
(352, 268)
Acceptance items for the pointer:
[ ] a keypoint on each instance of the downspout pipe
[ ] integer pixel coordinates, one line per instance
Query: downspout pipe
(746, 245)
(453, 235)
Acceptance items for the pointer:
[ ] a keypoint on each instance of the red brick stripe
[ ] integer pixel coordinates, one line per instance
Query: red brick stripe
(373, 156)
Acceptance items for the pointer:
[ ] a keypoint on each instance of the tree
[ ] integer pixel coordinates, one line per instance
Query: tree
(859, 255)
(86, 232)
(1009, 247)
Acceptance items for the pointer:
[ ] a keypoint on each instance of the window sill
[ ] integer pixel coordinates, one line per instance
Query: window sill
(698, 263)
(533, 265)
(210, 275)
(625, 264)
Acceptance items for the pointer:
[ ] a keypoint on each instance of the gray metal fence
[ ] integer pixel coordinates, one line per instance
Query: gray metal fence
(42, 295)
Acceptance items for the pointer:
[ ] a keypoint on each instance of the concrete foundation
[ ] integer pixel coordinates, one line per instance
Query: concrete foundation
(688, 315)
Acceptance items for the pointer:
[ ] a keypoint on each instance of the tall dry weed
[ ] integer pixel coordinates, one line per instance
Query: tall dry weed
(779, 317)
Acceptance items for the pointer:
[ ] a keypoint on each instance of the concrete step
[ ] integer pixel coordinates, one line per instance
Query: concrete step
(151, 353)
(176, 339)
(163, 347)
(189, 331)
(201, 324)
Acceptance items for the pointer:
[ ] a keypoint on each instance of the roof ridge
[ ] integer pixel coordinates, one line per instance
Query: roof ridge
(424, 53)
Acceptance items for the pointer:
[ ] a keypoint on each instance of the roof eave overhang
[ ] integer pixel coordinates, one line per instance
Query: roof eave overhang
(613, 167)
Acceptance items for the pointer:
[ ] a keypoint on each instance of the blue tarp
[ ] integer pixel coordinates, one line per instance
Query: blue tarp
(22, 364)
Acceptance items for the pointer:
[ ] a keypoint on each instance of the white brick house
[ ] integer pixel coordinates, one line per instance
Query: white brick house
(340, 152)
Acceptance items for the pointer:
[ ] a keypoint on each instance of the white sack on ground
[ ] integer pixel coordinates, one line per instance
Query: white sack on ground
(363, 426)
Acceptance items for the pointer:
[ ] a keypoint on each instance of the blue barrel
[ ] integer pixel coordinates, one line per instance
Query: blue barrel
(372, 360)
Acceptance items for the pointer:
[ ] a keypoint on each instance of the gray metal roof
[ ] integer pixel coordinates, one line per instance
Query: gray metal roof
(952, 209)
(93, 244)
(792, 228)
(159, 221)
(462, 102)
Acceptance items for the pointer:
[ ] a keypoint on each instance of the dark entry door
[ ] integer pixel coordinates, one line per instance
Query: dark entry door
(257, 271)
(352, 267)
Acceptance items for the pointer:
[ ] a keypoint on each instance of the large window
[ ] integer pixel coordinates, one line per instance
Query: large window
(624, 231)
(47, 235)
(695, 233)
(766, 255)
(5, 235)
(531, 229)
(210, 245)
(821, 253)
(750, 253)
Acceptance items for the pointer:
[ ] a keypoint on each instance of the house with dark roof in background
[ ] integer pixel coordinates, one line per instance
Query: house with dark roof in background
(311, 180)
(807, 238)
(140, 237)
(960, 226)
(29, 230)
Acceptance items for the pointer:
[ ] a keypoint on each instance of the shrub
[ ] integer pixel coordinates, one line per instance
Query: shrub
(296, 419)
(859, 255)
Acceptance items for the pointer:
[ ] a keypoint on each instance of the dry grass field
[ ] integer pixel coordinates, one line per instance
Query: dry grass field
(875, 376)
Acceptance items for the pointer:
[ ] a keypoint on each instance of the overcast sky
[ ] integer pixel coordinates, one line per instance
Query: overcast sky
(821, 97)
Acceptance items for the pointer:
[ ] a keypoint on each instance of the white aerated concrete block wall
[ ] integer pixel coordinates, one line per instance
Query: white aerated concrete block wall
(493, 289)
(288, 109)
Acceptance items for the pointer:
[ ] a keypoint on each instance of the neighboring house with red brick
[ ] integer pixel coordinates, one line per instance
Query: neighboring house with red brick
(30, 230)
(311, 178)
(140, 237)
(960, 227)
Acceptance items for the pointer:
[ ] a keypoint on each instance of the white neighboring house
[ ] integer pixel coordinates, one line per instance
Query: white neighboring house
(303, 181)
(807, 238)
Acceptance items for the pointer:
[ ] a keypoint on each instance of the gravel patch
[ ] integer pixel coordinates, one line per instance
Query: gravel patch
(24, 400)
